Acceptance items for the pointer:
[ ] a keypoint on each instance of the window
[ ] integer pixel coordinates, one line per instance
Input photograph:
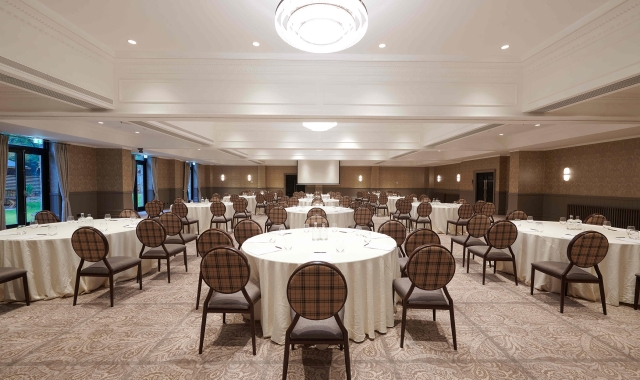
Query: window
(26, 189)
(139, 197)
(191, 193)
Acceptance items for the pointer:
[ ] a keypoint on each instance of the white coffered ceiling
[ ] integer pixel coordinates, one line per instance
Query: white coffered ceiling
(442, 91)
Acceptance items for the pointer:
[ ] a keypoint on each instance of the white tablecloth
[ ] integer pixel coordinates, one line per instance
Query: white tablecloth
(325, 197)
(202, 212)
(369, 274)
(391, 204)
(440, 213)
(618, 268)
(52, 263)
(251, 201)
(343, 217)
(328, 202)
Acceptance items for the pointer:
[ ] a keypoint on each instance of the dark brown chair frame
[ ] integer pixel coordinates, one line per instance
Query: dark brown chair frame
(25, 283)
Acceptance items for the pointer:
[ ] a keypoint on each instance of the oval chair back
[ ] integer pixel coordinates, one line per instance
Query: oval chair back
(90, 244)
(431, 267)
(246, 229)
(46, 216)
(317, 211)
(153, 209)
(588, 249)
(419, 238)
(129, 213)
(317, 291)
(478, 225)
(293, 201)
(345, 201)
(395, 230)
(595, 219)
(151, 233)
(319, 219)
(517, 215)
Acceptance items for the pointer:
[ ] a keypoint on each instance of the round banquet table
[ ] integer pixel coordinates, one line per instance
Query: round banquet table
(251, 201)
(51, 261)
(391, 203)
(328, 202)
(342, 217)
(202, 212)
(618, 268)
(440, 213)
(325, 197)
(369, 272)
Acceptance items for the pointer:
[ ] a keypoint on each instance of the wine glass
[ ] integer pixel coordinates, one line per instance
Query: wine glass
(33, 224)
(563, 220)
(529, 219)
(540, 226)
(52, 230)
(334, 227)
(288, 243)
(306, 228)
(630, 230)
(606, 225)
(70, 219)
(340, 245)
(107, 217)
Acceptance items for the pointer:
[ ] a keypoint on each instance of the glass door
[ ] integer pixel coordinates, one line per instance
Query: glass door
(140, 185)
(25, 191)
(11, 191)
(33, 185)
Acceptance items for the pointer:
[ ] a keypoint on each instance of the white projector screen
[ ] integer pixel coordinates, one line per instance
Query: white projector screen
(318, 172)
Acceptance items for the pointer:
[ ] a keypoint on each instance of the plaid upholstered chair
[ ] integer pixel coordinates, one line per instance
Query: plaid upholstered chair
(173, 227)
(269, 198)
(477, 208)
(395, 230)
(416, 239)
(153, 209)
(489, 209)
(317, 292)
(178, 200)
(371, 208)
(462, 201)
(316, 211)
(373, 199)
(227, 273)
(240, 210)
(91, 245)
(182, 211)
(587, 249)
(218, 214)
(279, 194)
(429, 270)
(464, 213)
(362, 218)
(345, 201)
(260, 203)
(245, 230)
(293, 201)
(499, 237)
(46, 217)
(317, 202)
(319, 219)
(517, 215)
(234, 197)
(128, 213)
(637, 295)
(403, 208)
(9, 274)
(382, 203)
(424, 215)
(595, 219)
(207, 241)
(278, 217)
(355, 205)
(152, 235)
(215, 197)
(477, 228)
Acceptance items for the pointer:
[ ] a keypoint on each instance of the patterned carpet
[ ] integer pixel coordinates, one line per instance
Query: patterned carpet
(503, 332)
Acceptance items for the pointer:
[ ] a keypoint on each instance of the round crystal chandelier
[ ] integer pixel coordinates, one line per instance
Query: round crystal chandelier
(321, 26)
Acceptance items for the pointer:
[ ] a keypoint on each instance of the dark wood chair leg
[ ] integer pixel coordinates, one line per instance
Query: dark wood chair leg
(199, 290)
(184, 253)
(27, 298)
(434, 314)
(453, 328)
(468, 259)
(515, 270)
(404, 322)
(635, 303)
(168, 270)
(533, 277)
(347, 358)
(75, 292)
(563, 284)
(202, 327)
(253, 331)
(111, 288)
(224, 318)
(140, 274)
(484, 269)
(158, 265)
(604, 303)
(285, 362)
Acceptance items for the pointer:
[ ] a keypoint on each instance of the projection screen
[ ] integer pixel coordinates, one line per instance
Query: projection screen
(318, 172)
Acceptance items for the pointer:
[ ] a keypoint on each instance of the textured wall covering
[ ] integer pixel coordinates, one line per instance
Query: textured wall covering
(127, 175)
(274, 176)
(349, 176)
(605, 170)
(236, 176)
(401, 177)
(82, 169)
(514, 172)
(111, 170)
(448, 175)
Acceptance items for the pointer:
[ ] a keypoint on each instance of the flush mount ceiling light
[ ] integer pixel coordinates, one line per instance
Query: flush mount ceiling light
(321, 26)
(537, 125)
(101, 122)
(504, 47)
(132, 42)
(256, 44)
(382, 46)
(319, 126)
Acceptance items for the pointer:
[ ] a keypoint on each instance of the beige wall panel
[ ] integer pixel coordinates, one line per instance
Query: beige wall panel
(82, 169)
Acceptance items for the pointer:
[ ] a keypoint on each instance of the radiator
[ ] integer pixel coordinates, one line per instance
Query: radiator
(619, 217)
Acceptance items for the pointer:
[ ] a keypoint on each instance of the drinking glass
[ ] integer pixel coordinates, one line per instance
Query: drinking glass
(52, 230)
(272, 238)
(630, 230)
(563, 220)
(339, 245)
(607, 225)
(20, 230)
(104, 226)
(70, 219)
(306, 228)
(529, 219)
(635, 235)
(288, 243)
(540, 226)
(366, 235)
(107, 217)
(334, 227)
(33, 224)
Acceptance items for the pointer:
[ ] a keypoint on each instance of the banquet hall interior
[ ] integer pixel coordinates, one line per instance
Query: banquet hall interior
(306, 189)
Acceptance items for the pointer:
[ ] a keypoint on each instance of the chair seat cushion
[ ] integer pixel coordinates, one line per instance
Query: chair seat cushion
(242, 215)
(382, 206)
(419, 296)
(219, 219)
(176, 239)
(118, 264)
(159, 253)
(187, 221)
(459, 222)
(472, 241)
(326, 329)
(421, 219)
(402, 216)
(403, 262)
(556, 268)
(235, 301)
(8, 273)
(494, 254)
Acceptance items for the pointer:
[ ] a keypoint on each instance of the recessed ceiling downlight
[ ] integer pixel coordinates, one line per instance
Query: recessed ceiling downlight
(319, 126)
(256, 44)
(132, 42)
(504, 47)
(382, 46)
(321, 26)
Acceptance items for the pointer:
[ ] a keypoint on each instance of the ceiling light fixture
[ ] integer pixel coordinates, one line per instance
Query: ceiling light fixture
(137, 132)
(504, 47)
(319, 126)
(198, 148)
(502, 134)
(101, 122)
(256, 44)
(537, 125)
(132, 42)
(321, 26)
(382, 46)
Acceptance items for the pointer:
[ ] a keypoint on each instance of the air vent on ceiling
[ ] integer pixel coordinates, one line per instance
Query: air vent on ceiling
(52, 79)
(257, 162)
(380, 162)
(463, 135)
(234, 153)
(48, 93)
(164, 131)
(590, 95)
(404, 154)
